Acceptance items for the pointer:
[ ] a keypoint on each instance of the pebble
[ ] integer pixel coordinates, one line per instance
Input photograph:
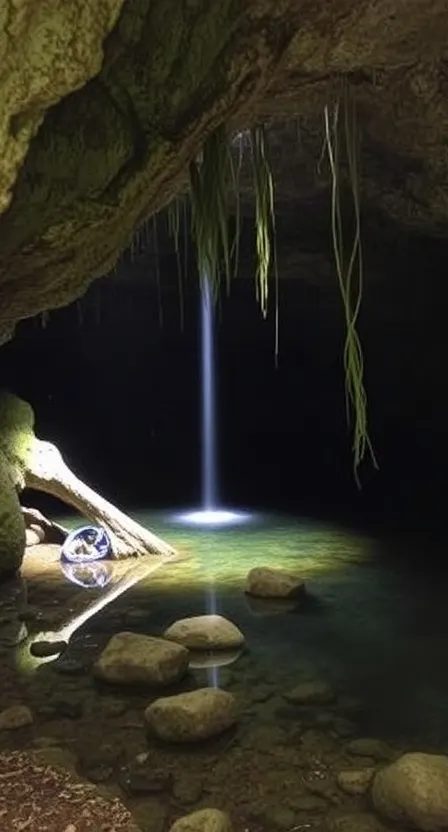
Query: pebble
(355, 782)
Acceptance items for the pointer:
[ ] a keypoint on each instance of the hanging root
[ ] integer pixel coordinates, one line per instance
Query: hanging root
(173, 217)
(349, 270)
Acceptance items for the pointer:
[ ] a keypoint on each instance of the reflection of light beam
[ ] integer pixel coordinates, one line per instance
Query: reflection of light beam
(66, 631)
(214, 517)
(211, 606)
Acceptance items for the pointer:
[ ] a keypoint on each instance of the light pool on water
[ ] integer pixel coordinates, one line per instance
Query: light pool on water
(371, 625)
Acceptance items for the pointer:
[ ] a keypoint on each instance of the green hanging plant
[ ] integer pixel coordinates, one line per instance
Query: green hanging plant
(349, 266)
(210, 183)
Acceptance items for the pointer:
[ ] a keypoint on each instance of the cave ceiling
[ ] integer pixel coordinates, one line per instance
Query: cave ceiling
(103, 103)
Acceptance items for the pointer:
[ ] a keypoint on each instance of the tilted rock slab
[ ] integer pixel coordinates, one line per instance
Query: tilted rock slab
(205, 632)
(190, 717)
(131, 658)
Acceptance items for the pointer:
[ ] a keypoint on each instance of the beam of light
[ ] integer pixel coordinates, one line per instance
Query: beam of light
(29, 662)
(209, 447)
(213, 517)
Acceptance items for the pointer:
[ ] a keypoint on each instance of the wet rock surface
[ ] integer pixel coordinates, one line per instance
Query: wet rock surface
(414, 790)
(268, 582)
(205, 632)
(130, 658)
(194, 716)
(206, 820)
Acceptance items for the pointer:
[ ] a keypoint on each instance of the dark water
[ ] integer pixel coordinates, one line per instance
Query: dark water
(375, 623)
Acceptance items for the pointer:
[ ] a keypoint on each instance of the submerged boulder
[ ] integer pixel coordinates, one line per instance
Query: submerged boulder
(267, 582)
(312, 692)
(414, 790)
(205, 632)
(131, 658)
(193, 716)
(17, 716)
(204, 820)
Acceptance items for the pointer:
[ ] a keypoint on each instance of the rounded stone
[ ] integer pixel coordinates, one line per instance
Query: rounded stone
(313, 692)
(266, 582)
(205, 632)
(355, 782)
(204, 820)
(131, 658)
(193, 716)
(17, 716)
(414, 790)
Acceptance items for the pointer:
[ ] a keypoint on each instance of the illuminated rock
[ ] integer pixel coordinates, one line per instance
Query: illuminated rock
(131, 658)
(193, 716)
(205, 820)
(205, 632)
(414, 790)
(267, 582)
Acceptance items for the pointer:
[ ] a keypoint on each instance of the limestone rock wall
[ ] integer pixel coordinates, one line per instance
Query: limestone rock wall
(104, 104)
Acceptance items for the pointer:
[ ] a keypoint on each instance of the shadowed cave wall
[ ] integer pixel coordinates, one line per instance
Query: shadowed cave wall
(120, 393)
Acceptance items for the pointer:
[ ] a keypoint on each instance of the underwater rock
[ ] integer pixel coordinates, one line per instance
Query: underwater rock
(17, 716)
(280, 817)
(141, 778)
(354, 822)
(355, 781)
(187, 789)
(59, 758)
(131, 658)
(266, 582)
(414, 790)
(205, 820)
(205, 632)
(44, 649)
(366, 747)
(313, 692)
(193, 716)
(44, 799)
(151, 814)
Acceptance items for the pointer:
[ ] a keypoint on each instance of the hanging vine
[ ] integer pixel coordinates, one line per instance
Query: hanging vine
(349, 266)
(174, 230)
